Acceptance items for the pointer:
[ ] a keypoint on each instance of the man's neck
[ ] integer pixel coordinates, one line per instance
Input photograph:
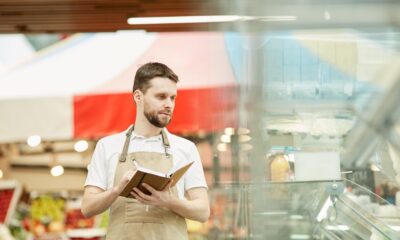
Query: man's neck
(146, 129)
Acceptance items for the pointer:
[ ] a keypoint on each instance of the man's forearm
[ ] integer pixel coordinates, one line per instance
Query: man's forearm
(96, 203)
(197, 209)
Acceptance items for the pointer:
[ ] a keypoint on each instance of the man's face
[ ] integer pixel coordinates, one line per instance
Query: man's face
(159, 101)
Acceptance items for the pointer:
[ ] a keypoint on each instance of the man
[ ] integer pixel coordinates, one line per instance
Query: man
(162, 214)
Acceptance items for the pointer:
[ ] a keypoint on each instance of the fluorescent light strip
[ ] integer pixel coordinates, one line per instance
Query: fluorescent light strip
(205, 19)
(183, 19)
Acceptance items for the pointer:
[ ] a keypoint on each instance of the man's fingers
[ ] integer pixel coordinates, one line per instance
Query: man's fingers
(138, 197)
(141, 194)
(150, 188)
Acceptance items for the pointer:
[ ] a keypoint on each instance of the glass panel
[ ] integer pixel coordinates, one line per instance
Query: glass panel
(313, 81)
(297, 210)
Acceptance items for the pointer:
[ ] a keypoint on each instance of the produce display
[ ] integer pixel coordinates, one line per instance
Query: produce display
(46, 208)
(75, 219)
(46, 215)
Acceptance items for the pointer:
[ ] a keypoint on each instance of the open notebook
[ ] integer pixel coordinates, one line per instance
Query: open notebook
(155, 179)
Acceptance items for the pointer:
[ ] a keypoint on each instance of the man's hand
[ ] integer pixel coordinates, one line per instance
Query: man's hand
(157, 198)
(195, 207)
(97, 200)
(124, 181)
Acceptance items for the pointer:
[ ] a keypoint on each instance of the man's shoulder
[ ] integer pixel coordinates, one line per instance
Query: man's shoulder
(113, 139)
(180, 142)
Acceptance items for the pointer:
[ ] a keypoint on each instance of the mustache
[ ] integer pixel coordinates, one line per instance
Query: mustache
(168, 112)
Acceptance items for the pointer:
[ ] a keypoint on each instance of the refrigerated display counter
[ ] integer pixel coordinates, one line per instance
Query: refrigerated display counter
(299, 210)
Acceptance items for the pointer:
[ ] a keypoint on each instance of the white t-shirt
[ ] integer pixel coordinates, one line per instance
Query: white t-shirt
(102, 167)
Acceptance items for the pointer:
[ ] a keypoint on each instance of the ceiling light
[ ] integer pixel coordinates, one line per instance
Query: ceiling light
(206, 19)
(34, 140)
(1, 173)
(222, 147)
(244, 138)
(229, 131)
(243, 131)
(185, 19)
(57, 171)
(81, 146)
(225, 138)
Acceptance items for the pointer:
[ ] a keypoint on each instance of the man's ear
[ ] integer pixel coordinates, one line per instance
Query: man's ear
(137, 95)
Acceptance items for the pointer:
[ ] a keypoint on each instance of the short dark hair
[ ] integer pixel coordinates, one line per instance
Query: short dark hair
(149, 71)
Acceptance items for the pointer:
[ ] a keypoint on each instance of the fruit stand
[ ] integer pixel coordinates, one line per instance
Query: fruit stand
(45, 216)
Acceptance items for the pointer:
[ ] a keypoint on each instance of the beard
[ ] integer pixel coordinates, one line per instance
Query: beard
(153, 118)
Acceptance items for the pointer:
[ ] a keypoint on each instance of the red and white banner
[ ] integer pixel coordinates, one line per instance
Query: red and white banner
(81, 87)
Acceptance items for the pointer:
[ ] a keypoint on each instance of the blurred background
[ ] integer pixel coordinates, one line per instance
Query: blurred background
(293, 106)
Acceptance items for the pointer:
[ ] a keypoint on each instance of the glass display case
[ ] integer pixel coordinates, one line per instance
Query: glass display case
(300, 210)
(312, 77)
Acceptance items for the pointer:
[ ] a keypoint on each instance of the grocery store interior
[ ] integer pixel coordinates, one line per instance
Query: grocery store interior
(293, 106)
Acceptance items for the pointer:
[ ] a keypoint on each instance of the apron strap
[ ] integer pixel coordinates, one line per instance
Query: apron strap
(165, 142)
(128, 134)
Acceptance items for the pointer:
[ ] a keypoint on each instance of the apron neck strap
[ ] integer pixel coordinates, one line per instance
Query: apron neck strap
(165, 138)
(128, 134)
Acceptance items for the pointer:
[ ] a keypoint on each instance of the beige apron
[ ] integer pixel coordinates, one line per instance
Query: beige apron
(132, 220)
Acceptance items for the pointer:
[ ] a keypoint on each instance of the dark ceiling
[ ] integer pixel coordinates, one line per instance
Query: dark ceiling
(69, 16)
(66, 16)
